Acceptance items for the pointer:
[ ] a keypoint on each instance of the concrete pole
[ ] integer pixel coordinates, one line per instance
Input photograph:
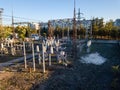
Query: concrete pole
(68, 33)
(43, 56)
(33, 56)
(49, 59)
(24, 55)
(2, 46)
(39, 57)
(57, 48)
(51, 52)
(11, 44)
(8, 44)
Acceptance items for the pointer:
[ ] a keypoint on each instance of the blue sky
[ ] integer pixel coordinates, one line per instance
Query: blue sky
(44, 10)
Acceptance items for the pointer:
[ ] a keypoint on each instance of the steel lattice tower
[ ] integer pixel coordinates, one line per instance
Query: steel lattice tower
(74, 33)
(74, 23)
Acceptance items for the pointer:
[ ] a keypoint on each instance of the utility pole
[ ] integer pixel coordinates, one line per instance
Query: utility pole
(13, 25)
(33, 53)
(1, 11)
(25, 61)
(43, 57)
(74, 23)
(74, 32)
(1, 27)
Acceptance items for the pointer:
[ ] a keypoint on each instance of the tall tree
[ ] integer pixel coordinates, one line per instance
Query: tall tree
(100, 27)
(57, 31)
(114, 32)
(94, 27)
(108, 27)
(5, 31)
(101, 23)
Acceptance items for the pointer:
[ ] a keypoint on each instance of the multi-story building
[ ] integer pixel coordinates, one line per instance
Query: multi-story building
(67, 23)
(32, 25)
(58, 22)
(35, 26)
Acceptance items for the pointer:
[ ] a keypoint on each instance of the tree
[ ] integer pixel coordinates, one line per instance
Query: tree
(101, 24)
(108, 27)
(114, 33)
(57, 31)
(5, 32)
(65, 31)
(28, 32)
(81, 31)
(44, 31)
(119, 33)
(21, 31)
(101, 30)
(94, 27)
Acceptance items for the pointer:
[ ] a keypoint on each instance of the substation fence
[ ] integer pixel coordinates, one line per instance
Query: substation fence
(14, 49)
(43, 51)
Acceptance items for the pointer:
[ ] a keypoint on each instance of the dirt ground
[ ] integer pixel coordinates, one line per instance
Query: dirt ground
(4, 75)
(6, 58)
(75, 76)
(15, 77)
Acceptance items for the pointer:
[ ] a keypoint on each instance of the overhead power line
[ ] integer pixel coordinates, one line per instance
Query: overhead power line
(16, 17)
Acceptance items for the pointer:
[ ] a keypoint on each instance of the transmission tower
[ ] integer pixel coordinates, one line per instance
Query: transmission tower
(1, 11)
(74, 23)
(79, 15)
(74, 33)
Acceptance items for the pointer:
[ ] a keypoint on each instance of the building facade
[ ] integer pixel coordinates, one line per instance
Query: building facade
(67, 23)
(117, 22)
